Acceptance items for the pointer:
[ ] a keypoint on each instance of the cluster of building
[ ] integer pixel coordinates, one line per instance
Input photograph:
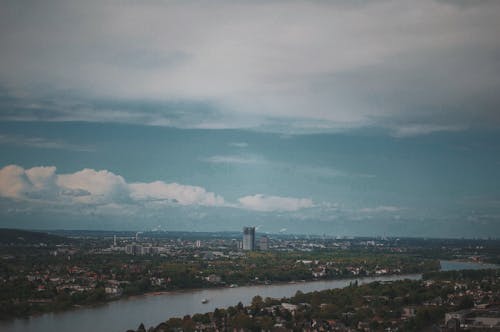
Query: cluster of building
(72, 280)
(137, 249)
(248, 243)
(480, 318)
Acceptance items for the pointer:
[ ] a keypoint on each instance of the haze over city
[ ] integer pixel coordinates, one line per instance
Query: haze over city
(346, 118)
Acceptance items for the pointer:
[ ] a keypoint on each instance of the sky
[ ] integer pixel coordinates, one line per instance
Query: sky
(348, 118)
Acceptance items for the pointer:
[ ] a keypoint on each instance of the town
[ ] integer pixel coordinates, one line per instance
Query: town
(67, 269)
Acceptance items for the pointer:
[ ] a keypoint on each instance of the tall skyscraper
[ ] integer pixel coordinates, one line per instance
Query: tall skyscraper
(248, 238)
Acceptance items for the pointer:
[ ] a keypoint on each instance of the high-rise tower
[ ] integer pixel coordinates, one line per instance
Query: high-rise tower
(248, 238)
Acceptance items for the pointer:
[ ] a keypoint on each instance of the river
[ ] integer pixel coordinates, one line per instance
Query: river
(128, 313)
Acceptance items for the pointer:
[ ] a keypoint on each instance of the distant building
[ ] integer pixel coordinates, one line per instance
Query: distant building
(476, 319)
(213, 278)
(264, 243)
(113, 291)
(249, 238)
(198, 244)
(133, 249)
(130, 249)
(289, 306)
(145, 250)
(409, 312)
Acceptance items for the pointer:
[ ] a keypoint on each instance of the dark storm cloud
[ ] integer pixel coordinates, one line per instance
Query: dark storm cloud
(430, 65)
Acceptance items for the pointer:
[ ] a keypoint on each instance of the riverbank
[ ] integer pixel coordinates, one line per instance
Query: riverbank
(45, 283)
(121, 314)
(57, 306)
(444, 264)
(402, 305)
(151, 310)
(128, 312)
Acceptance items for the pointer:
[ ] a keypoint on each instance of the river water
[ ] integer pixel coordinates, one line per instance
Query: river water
(124, 314)
(458, 265)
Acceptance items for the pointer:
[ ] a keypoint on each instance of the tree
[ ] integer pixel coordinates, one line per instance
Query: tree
(242, 320)
(257, 303)
(466, 302)
(141, 328)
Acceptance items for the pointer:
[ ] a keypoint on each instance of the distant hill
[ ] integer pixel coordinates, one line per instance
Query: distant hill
(19, 237)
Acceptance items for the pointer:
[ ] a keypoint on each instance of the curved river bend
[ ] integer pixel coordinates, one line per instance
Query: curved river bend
(151, 310)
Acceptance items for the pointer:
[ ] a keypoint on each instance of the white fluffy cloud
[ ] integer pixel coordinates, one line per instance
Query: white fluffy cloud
(13, 181)
(104, 188)
(174, 192)
(265, 203)
(18, 183)
(89, 186)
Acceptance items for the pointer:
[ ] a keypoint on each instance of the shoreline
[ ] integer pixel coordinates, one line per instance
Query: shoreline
(77, 307)
(277, 283)
(187, 290)
(146, 300)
